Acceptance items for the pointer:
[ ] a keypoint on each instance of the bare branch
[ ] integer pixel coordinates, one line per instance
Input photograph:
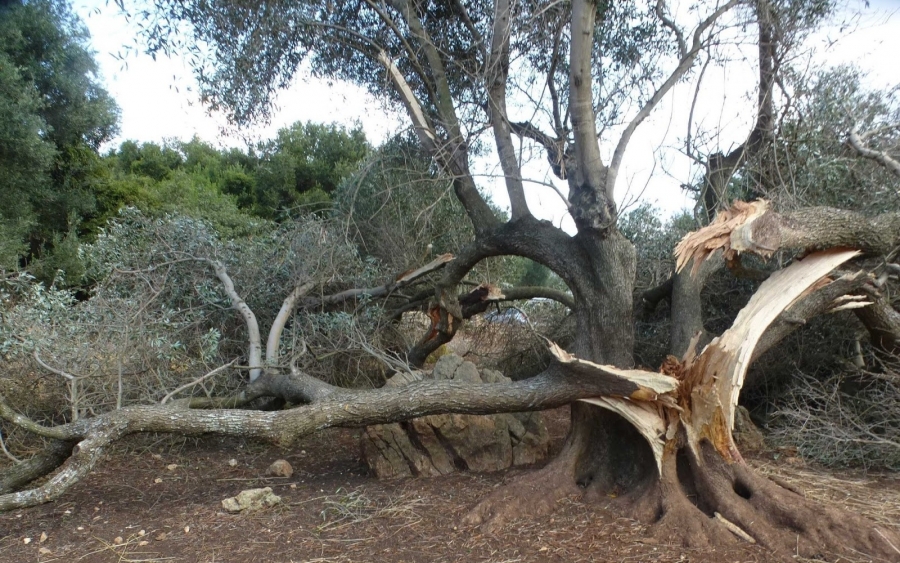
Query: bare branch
(684, 65)
(856, 141)
(287, 309)
(669, 23)
(255, 342)
(51, 369)
(197, 381)
(40, 464)
(554, 147)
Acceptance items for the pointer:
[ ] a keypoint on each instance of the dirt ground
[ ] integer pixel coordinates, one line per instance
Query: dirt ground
(159, 499)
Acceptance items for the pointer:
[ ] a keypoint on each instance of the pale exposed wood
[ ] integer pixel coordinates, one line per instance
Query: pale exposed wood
(733, 528)
(701, 244)
(420, 122)
(650, 384)
(644, 416)
(754, 227)
(716, 376)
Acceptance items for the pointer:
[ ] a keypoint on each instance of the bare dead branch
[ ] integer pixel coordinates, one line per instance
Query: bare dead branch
(856, 141)
(197, 381)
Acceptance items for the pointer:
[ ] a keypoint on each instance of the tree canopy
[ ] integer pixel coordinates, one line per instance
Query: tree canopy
(55, 116)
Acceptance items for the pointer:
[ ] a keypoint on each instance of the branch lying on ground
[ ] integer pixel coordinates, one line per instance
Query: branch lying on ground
(39, 465)
(332, 406)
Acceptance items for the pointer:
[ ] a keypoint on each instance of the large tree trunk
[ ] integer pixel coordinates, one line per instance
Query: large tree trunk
(602, 450)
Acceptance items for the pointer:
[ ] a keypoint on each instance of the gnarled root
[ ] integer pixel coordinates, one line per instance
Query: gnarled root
(703, 500)
(699, 500)
(602, 452)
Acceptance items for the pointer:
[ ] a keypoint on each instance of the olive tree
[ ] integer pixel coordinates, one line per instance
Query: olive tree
(575, 81)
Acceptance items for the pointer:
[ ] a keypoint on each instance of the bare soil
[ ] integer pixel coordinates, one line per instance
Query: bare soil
(159, 499)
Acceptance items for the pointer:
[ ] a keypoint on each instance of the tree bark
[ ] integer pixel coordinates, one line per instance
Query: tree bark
(882, 322)
(329, 406)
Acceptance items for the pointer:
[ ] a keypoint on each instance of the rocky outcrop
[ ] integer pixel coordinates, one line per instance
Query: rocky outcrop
(442, 444)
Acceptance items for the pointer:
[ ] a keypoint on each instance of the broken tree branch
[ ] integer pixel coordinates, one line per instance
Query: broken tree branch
(715, 378)
(754, 227)
(562, 383)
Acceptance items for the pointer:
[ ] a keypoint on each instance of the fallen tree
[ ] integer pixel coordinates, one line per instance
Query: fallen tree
(661, 443)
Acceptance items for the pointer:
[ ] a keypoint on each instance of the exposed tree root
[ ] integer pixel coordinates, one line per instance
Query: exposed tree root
(532, 495)
(700, 501)
(780, 519)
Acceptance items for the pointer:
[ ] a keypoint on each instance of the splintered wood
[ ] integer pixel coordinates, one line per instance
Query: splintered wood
(716, 376)
(642, 408)
(701, 244)
(649, 384)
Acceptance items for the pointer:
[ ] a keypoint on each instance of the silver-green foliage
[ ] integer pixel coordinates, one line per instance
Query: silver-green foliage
(158, 316)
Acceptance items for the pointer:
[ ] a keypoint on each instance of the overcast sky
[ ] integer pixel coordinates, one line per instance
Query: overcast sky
(158, 101)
